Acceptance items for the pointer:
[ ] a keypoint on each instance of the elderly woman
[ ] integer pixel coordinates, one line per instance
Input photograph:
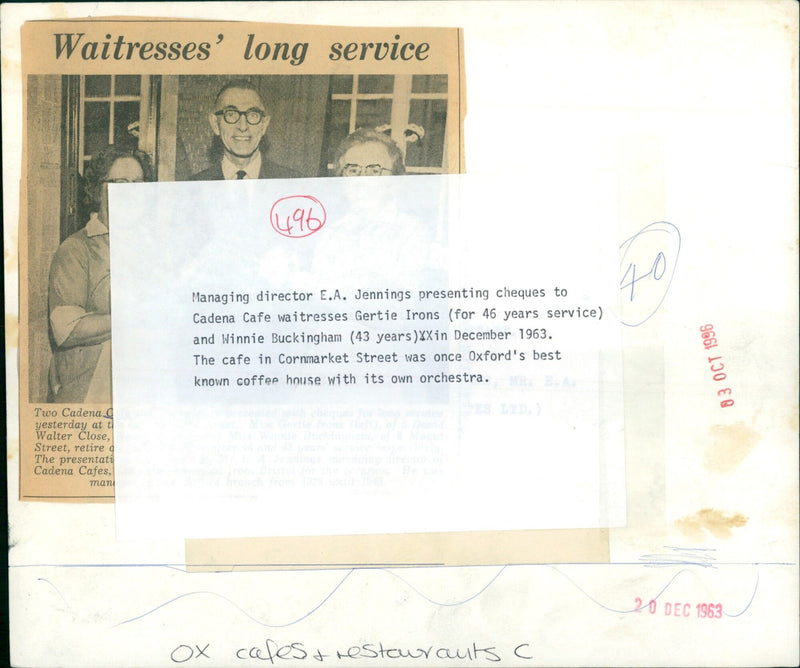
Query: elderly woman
(80, 289)
(368, 152)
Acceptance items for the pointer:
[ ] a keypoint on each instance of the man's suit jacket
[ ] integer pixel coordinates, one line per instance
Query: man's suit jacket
(269, 170)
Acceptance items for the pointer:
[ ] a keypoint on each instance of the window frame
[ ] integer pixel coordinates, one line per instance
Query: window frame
(401, 97)
(73, 159)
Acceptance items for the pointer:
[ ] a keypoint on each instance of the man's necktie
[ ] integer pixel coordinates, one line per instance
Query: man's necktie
(241, 174)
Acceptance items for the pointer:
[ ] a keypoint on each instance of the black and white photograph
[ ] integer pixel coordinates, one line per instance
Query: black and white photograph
(85, 131)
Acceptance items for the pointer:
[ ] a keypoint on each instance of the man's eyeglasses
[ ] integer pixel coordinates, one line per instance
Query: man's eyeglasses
(366, 170)
(123, 181)
(231, 115)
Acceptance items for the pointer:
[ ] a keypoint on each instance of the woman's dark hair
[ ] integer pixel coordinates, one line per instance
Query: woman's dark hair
(365, 136)
(97, 169)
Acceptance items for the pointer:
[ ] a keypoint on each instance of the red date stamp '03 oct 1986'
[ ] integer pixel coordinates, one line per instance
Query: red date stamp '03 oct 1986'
(716, 365)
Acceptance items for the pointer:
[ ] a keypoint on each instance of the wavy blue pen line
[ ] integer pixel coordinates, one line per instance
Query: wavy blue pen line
(749, 603)
(605, 607)
(427, 598)
(666, 586)
(318, 606)
(180, 569)
(244, 612)
(430, 600)
(54, 587)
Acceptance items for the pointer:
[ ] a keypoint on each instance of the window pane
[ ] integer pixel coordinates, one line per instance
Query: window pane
(342, 83)
(429, 83)
(428, 151)
(372, 113)
(375, 83)
(98, 85)
(126, 123)
(127, 84)
(96, 120)
(339, 122)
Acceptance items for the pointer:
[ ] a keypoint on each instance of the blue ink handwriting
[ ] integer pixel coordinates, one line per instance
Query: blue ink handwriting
(653, 250)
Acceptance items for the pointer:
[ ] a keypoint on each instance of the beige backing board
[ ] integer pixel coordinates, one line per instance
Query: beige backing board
(396, 550)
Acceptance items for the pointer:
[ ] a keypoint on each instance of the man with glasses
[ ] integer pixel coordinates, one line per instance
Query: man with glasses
(239, 121)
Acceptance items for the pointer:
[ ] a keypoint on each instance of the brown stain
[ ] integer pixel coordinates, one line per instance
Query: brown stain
(715, 522)
(11, 66)
(730, 444)
(12, 449)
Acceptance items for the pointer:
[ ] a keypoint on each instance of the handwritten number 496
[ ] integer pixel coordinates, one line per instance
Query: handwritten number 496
(297, 216)
(659, 263)
(304, 220)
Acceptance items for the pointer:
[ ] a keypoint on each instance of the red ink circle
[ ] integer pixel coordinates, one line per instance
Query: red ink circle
(297, 216)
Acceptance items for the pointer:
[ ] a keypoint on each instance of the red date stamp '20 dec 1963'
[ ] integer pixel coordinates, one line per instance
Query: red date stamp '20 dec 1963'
(671, 609)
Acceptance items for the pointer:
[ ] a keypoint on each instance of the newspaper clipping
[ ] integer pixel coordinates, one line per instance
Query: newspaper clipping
(148, 100)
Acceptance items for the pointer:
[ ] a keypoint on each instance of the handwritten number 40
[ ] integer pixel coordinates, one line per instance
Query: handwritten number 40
(659, 263)
(647, 268)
